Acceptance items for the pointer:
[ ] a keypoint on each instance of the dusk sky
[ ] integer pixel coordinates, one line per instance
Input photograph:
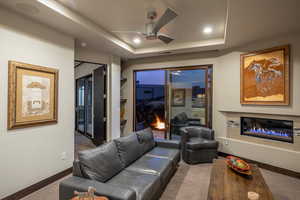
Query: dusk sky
(157, 77)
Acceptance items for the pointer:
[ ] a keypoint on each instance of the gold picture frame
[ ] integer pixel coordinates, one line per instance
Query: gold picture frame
(32, 95)
(265, 77)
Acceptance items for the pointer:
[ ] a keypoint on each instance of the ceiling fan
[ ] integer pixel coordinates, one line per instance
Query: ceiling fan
(153, 27)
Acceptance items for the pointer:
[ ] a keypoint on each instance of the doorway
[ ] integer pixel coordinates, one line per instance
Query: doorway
(171, 98)
(90, 105)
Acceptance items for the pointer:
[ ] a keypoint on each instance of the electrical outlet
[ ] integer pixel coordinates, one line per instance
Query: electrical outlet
(63, 155)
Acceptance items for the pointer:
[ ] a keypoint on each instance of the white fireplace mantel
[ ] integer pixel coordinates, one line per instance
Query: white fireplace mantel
(257, 112)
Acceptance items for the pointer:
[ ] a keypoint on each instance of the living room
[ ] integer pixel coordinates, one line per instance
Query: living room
(152, 53)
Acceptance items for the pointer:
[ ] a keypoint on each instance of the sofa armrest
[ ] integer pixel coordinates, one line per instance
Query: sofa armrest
(174, 144)
(69, 185)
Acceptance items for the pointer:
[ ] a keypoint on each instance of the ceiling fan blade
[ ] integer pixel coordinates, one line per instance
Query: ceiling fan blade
(137, 32)
(168, 16)
(166, 39)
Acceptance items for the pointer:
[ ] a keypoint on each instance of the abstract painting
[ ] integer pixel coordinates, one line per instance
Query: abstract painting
(32, 95)
(265, 77)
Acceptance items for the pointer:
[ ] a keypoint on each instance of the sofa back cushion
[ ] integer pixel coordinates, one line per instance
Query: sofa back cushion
(129, 149)
(100, 163)
(202, 132)
(146, 138)
(181, 118)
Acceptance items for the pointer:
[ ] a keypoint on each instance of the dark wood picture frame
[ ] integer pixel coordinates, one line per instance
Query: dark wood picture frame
(182, 102)
(286, 75)
(13, 89)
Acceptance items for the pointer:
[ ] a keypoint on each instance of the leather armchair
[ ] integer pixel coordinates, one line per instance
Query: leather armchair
(182, 120)
(198, 145)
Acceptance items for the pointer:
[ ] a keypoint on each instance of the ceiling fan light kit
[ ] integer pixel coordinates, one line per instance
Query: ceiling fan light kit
(152, 28)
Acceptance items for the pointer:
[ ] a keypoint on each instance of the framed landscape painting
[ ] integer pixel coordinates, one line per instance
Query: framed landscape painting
(32, 95)
(178, 97)
(265, 77)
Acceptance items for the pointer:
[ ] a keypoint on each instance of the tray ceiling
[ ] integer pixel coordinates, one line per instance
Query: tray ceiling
(94, 22)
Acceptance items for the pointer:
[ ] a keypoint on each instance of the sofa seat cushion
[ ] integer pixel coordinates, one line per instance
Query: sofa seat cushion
(167, 153)
(129, 148)
(152, 165)
(146, 138)
(145, 185)
(161, 167)
(100, 163)
(200, 143)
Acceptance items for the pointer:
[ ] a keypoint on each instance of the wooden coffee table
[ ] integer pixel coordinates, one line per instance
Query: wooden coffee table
(226, 184)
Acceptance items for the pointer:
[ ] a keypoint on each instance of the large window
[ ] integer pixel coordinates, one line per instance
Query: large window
(169, 99)
(150, 101)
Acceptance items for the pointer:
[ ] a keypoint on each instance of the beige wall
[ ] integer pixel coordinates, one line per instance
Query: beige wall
(85, 54)
(114, 102)
(226, 95)
(29, 155)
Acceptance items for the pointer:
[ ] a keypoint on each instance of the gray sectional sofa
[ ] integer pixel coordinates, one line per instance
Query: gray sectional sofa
(135, 167)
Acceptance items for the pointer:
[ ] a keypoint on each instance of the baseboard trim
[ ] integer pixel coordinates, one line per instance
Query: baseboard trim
(266, 166)
(26, 191)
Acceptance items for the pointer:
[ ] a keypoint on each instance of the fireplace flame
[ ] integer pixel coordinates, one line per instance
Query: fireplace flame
(268, 132)
(159, 124)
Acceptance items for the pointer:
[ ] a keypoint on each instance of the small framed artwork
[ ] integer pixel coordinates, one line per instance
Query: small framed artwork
(265, 77)
(32, 95)
(178, 97)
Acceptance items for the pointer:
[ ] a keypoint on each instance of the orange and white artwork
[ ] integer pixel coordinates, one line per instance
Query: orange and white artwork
(265, 77)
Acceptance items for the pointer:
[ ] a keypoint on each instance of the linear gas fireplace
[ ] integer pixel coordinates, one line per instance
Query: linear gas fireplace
(274, 129)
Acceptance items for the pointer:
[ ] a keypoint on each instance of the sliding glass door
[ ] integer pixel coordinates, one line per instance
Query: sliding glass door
(168, 99)
(189, 101)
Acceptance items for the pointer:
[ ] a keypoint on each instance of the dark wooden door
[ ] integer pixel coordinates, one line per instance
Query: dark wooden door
(99, 106)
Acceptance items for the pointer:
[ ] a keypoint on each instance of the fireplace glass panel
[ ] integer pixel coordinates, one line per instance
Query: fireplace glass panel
(281, 130)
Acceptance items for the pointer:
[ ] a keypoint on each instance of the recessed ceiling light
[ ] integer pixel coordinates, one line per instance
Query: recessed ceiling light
(137, 40)
(207, 30)
(83, 44)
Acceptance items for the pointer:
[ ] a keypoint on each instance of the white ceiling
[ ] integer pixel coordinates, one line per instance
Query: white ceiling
(234, 22)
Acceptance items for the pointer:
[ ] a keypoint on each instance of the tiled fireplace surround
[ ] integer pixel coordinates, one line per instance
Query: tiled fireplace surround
(234, 129)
